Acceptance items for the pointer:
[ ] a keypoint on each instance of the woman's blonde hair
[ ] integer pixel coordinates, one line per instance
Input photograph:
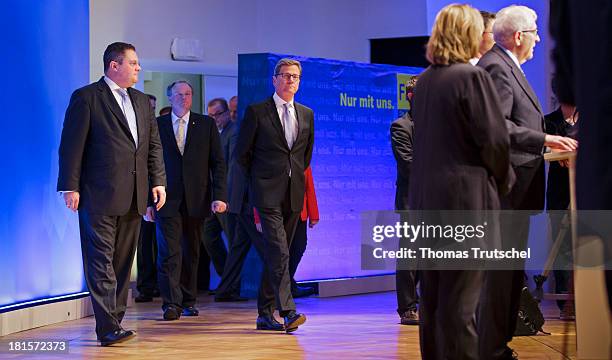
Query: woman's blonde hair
(455, 36)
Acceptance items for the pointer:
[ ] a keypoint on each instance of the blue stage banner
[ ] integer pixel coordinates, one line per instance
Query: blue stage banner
(353, 165)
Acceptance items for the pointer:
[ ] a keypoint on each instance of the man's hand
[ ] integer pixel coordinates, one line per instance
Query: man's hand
(159, 196)
(218, 206)
(149, 215)
(560, 143)
(312, 223)
(71, 198)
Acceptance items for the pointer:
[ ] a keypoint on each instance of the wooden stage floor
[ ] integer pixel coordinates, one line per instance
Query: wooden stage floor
(348, 327)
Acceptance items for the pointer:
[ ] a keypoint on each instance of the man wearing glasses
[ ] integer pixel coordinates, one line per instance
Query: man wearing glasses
(516, 34)
(274, 148)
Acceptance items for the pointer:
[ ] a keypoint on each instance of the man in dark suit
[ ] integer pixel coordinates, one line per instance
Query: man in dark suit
(274, 147)
(246, 234)
(402, 131)
(193, 157)
(229, 287)
(146, 253)
(218, 223)
(109, 154)
(515, 32)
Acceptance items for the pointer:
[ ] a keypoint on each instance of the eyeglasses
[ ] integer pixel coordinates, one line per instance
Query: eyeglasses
(287, 76)
(214, 116)
(534, 31)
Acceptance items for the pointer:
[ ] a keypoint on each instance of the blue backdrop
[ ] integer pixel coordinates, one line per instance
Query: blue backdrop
(353, 166)
(45, 58)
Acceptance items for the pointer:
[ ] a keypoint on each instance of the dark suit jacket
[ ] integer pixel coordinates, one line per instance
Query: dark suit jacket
(583, 77)
(266, 158)
(229, 131)
(237, 182)
(189, 174)
(97, 154)
(525, 121)
(557, 182)
(402, 131)
(461, 149)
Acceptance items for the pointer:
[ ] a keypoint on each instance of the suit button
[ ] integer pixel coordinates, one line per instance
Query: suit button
(133, 172)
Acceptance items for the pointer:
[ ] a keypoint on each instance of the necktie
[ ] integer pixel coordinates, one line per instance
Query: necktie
(180, 135)
(128, 112)
(289, 126)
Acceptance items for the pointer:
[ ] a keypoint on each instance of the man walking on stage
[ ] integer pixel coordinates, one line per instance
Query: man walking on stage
(274, 147)
(109, 154)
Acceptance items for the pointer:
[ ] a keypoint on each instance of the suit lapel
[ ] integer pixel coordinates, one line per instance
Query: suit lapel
(299, 114)
(167, 131)
(140, 117)
(191, 128)
(520, 78)
(111, 102)
(276, 121)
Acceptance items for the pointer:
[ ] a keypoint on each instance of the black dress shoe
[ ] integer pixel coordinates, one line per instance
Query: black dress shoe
(116, 337)
(155, 293)
(230, 298)
(410, 317)
(293, 320)
(269, 323)
(510, 354)
(190, 311)
(142, 298)
(300, 291)
(171, 312)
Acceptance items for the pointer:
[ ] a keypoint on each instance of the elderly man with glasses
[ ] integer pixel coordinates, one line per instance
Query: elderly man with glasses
(516, 33)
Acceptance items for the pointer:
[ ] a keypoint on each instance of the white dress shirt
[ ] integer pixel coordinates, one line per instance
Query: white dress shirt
(281, 109)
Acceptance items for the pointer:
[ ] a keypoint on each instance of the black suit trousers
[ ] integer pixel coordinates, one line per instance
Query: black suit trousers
(278, 225)
(406, 279)
(214, 226)
(146, 281)
(239, 247)
(406, 290)
(265, 295)
(297, 249)
(501, 294)
(108, 245)
(447, 314)
(178, 242)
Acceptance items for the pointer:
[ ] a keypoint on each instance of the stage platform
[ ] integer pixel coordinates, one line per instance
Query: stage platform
(346, 327)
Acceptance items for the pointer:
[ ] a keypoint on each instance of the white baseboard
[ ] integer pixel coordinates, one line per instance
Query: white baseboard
(361, 285)
(47, 314)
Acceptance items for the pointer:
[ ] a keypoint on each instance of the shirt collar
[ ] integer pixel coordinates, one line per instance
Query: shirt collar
(185, 117)
(512, 56)
(280, 102)
(111, 84)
